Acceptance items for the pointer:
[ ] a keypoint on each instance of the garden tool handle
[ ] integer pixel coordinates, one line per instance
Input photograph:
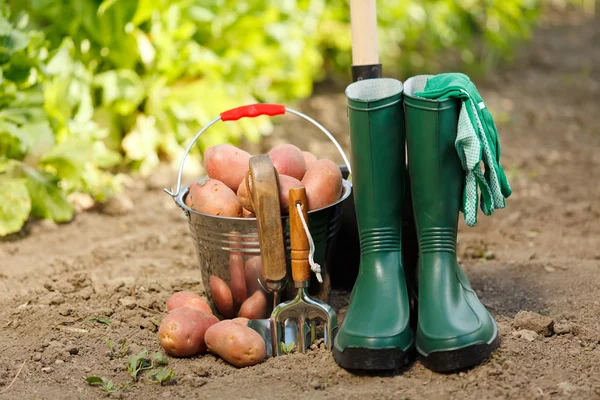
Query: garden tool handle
(265, 200)
(365, 50)
(298, 238)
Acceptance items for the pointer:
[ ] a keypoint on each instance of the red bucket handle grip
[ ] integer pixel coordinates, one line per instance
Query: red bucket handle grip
(252, 110)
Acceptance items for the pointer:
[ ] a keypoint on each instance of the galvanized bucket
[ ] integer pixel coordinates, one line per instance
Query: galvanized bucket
(225, 243)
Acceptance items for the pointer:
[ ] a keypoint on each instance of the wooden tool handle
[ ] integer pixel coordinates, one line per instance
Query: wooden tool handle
(265, 199)
(363, 23)
(298, 238)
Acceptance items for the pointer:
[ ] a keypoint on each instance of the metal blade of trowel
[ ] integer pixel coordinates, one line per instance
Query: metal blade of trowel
(264, 181)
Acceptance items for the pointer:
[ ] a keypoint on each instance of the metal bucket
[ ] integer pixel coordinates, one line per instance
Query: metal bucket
(225, 246)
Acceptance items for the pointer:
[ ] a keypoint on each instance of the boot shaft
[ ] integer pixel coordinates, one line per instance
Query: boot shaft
(435, 170)
(376, 122)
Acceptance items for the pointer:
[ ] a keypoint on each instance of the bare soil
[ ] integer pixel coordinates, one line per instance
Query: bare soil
(540, 254)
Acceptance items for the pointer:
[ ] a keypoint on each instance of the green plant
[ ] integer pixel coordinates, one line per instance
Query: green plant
(287, 349)
(101, 320)
(117, 352)
(161, 376)
(140, 362)
(45, 151)
(104, 383)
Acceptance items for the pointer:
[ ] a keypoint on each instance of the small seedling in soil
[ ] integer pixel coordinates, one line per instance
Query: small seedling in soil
(101, 320)
(138, 363)
(159, 359)
(162, 376)
(104, 384)
(288, 349)
(117, 352)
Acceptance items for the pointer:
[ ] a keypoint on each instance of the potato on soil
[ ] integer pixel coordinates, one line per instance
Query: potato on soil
(227, 164)
(323, 183)
(309, 158)
(222, 296)
(235, 343)
(254, 273)
(288, 160)
(255, 307)
(188, 299)
(182, 331)
(214, 197)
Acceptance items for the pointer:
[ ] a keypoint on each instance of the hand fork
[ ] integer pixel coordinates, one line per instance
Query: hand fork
(302, 308)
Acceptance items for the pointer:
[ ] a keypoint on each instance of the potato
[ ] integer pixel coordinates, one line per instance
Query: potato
(285, 184)
(244, 197)
(188, 299)
(214, 197)
(182, 331)
(240, 320)
(288, 160)
(323, 183)
(248, 214)
(235, 343)
(236, 271)
(188, 200)
(222, 297)
(255, 307)
(253, 272)
(227, 164)
(309, 158)
(238, 279)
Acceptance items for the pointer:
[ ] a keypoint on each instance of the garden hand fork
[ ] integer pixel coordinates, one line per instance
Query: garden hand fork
(302, 308)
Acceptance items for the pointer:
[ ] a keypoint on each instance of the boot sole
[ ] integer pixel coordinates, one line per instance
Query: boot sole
(359, 358)
(455, 360)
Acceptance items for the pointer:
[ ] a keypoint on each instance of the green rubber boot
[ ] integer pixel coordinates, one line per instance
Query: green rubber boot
(375, 333)
(454, 330)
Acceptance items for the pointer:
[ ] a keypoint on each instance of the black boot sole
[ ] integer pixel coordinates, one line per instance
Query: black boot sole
(359, 358)
(456, 360)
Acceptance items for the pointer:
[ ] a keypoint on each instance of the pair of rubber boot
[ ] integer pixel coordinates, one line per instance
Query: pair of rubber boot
(449, 327)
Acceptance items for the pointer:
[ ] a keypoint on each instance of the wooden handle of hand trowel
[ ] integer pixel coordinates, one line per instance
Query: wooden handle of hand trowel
(365, 50)
(265, 200)
(298, 238)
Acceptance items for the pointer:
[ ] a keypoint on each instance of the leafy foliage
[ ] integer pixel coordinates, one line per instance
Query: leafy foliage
(92, 87)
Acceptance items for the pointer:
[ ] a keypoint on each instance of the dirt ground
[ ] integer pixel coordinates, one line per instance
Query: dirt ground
(540, 254)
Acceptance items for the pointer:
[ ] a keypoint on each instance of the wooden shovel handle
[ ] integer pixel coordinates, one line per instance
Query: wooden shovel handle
(298, 238)
(363, 23)
(265, 200)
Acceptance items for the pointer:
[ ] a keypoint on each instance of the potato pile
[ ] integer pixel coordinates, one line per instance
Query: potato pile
(190, 328)
(224, 193)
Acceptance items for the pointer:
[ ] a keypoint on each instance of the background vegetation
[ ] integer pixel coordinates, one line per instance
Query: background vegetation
(91, 88)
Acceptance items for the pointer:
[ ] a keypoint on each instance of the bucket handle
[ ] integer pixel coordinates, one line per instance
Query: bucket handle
(252, 111)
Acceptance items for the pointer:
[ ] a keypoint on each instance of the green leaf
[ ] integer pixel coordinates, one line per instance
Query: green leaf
(162, 376)
(101, 320)
(137, 363)
(94, 379)
(47, 200)
(106, 4)
(123, 89)
(160, 358)
(15, 205)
